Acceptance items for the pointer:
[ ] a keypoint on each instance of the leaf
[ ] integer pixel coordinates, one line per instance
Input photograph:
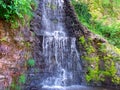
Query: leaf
(22, 79)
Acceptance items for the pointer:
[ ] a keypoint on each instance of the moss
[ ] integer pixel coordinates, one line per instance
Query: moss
(31, 62)
(90, 49)
(17, 12)
(82, 40)
(93, 75)
(22, 79)
(94, 57)
(102, 48)
(27, 44)
(91, 58)
(116, 79)
(99, 56)
(14, 86)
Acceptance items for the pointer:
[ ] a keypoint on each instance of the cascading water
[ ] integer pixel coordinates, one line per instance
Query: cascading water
(52, 17)
(59, 50)
(56, 56)
(62, 60)
(57, 61)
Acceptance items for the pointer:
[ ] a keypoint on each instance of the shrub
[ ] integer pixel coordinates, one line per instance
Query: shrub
(31, 62)
(82, 11)
(98, 19)
(22, 79)
(16, 10)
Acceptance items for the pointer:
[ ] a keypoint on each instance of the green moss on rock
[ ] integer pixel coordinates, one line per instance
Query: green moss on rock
(100, 60)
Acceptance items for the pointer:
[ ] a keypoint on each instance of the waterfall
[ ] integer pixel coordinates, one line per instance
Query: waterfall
(57, 59)
(61, 59)
(59, 50)
(52, 16)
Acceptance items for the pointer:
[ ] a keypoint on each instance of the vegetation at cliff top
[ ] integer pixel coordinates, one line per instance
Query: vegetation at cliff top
(101, 17)
(16, 11)
(101, 64)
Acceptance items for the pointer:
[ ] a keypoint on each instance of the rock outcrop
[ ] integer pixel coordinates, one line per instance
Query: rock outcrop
(90, 45)
(14, 50)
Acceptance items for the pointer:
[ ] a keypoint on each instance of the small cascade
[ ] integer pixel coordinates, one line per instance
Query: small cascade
(52, 16)
(62, 60)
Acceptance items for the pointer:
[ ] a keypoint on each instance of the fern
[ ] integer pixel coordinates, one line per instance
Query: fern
(16, 10)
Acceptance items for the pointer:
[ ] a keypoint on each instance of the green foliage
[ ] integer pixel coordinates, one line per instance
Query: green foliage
(111, 33)
(14, 86)
(90, 49)
(116, 79)
(93, 75)
(82, 40)
(31, 62)
(17, 82)
(102, 47)
(82, 11)
(22, 79)
(95, 72)
(13, 10)
(101, 17)
(27, 44)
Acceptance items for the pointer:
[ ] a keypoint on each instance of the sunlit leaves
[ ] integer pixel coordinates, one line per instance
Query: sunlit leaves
(14, 10)
(101, 17)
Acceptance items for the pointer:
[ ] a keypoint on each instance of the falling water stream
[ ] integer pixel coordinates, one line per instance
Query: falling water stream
(58, 63)
(59, 50)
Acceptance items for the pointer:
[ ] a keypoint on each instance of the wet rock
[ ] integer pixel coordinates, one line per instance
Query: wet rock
(19, 38)
(2, 77)
(34, 88)
(1, 65)
(11, 49)
(71, 21)
(118, 68)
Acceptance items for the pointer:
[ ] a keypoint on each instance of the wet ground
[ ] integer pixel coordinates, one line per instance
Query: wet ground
(75, 88)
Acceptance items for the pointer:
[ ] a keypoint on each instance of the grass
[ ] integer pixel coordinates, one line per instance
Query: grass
(111, 31)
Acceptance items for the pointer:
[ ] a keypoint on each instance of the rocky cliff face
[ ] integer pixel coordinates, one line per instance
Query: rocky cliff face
(94, 51)
(14, 50)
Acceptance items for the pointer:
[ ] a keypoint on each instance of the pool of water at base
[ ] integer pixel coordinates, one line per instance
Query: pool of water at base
(75, 87)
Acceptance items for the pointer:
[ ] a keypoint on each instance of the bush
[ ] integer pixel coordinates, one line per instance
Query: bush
(31, 62)
(88, 14)
(22, 79)
(82, 11)
(13, 10)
